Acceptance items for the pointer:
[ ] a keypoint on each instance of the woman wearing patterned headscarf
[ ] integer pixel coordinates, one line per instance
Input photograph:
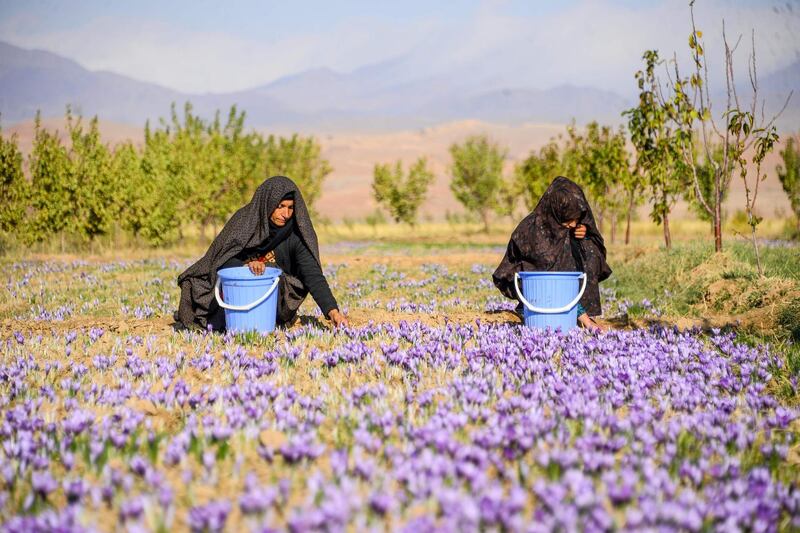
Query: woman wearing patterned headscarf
(274, 229)
(559, 235)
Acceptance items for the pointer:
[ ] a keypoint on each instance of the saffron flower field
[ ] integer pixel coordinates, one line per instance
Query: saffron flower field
(436, 410)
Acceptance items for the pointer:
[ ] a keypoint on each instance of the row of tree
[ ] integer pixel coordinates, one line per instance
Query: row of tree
(615, 180)
(596, 157)
(191, 171)
(187, 171)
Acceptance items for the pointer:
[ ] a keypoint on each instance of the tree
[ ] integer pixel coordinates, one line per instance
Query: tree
(190, 171)
(507, 198)
(244, 157)
(789, 175)
(744, 130)
(402, 195)
(95, 186)
(599, 161)
(634, 185)
(477, 173)
(705, 178)
(190, 163)
(52, 187)
(658, 158)
(298, 158)
(13, 188)
(533, 175)
(163, 194)
(126, 165)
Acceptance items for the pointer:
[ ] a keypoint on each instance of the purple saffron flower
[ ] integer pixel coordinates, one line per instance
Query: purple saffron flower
(165, 497)
(209, 517)
(257, 500)
(75, 490)
(138, 465)
(380, 503)
(43, 483)
(131, 509)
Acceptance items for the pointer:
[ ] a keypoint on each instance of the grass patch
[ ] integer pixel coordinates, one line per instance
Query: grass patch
(692, 280)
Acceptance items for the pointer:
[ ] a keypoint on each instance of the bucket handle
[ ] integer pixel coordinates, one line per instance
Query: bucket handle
(545, 310)
(244, 307)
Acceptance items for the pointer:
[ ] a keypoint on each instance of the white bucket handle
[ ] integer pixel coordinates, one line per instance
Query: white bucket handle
(244, 307)
(545, 310)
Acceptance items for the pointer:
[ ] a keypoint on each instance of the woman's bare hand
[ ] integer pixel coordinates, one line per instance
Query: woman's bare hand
(580, 231)
(257, 267)
(588, 322)
(338, 318)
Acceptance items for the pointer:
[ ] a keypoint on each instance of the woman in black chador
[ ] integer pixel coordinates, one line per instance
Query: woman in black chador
(559, 235)
(274, 229)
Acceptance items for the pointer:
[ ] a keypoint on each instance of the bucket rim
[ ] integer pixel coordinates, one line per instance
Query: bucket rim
(543, 273)
(243, 273)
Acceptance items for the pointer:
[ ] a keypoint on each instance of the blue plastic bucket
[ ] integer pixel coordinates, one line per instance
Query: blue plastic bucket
(550, 299)
(250, 301)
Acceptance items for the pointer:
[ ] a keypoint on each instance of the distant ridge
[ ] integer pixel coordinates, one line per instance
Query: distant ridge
(380, 97)
(33, 79)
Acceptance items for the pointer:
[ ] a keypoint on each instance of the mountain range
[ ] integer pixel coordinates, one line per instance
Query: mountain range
(383, 96)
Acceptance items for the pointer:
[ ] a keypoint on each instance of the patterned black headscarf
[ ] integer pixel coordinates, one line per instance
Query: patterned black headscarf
(248, 228)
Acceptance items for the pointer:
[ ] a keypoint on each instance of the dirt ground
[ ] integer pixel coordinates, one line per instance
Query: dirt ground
(761, 319)
(363, 317)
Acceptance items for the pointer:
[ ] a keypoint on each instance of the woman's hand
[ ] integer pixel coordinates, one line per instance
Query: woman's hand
(589, 323)
(338, 318)
(580, 231)
(257, 267)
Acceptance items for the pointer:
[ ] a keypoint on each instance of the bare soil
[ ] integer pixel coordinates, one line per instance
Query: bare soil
(750, 304)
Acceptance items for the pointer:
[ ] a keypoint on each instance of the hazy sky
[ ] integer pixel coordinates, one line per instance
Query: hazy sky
(213, 46)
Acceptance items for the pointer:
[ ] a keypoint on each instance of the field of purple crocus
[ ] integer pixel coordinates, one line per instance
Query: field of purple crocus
(435, 411)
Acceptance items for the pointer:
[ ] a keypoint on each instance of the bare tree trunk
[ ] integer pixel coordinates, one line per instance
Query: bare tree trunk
(613, 229)
(755, 247)
(718, 225)
(485, 218)
(665, 221)
(628, 223)
(717, 212)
